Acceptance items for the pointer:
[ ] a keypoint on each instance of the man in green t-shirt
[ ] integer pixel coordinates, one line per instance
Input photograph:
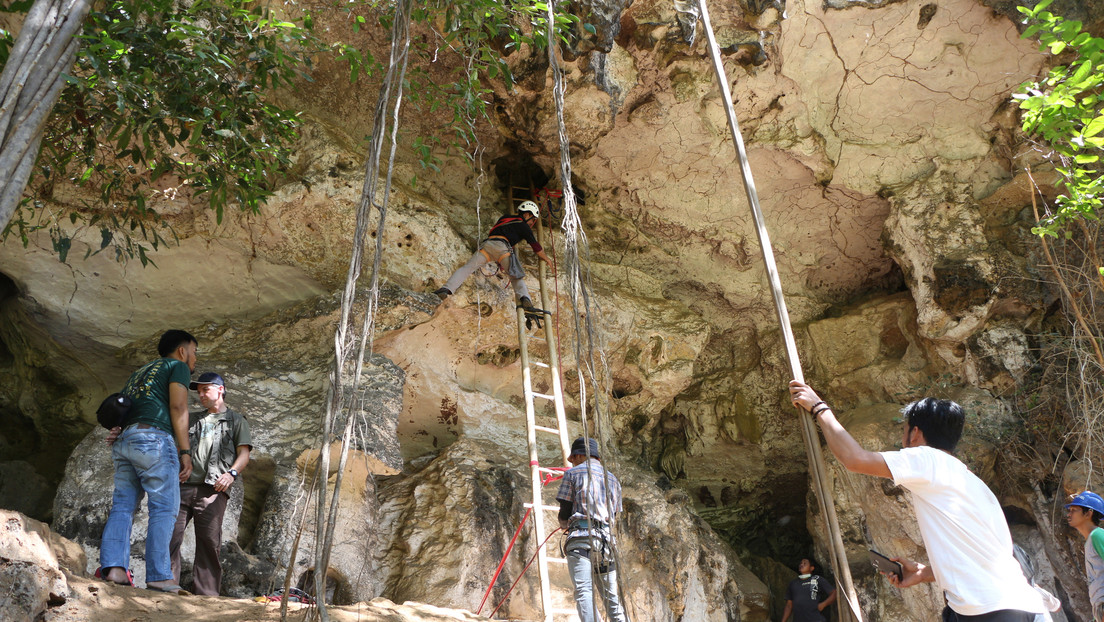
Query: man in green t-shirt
(151, 456)
(1084, 513)
(221, 443)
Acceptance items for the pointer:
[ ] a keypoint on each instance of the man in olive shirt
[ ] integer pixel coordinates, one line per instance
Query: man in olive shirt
(220, 444)
(148, 461)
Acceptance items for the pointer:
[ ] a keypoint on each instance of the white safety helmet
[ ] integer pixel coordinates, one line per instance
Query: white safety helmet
(530, 207)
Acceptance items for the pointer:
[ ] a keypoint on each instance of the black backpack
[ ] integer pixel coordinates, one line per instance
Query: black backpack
(113, 411)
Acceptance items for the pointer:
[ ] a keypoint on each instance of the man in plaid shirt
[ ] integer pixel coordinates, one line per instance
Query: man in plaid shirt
(590, 498)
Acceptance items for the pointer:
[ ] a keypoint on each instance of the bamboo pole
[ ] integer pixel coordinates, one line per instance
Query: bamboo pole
(808, 426)
(552, 340)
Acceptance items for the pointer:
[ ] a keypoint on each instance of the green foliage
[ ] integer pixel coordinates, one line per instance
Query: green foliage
(1066, 109)
(166, 99)
(169, 100)
(483, 33)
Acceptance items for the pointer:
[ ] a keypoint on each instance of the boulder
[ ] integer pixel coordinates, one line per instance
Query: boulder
(31, 574)
(274, 369)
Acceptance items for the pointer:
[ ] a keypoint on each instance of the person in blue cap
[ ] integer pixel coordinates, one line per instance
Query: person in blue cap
(1084, 513)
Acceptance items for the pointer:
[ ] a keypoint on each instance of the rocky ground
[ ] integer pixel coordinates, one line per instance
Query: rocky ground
(43, 579)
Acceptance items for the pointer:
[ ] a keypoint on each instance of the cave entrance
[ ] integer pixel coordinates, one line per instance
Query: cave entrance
(519, 178)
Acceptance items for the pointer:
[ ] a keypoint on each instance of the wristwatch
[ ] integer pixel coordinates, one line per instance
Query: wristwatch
(181, 452)
(234, 473)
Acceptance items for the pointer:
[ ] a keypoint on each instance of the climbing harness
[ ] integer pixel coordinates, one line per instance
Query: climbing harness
(808, 426)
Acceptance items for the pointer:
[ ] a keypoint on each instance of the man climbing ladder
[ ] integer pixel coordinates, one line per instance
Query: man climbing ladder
(499, 248)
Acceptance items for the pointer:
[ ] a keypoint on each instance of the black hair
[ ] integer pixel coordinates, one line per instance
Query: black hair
(173, 339)
(1096, 516)
(941, 421)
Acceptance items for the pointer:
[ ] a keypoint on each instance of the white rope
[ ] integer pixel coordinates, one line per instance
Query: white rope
(577, 260)
(338, 398)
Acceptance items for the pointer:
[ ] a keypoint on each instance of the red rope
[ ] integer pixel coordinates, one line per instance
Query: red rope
(544, 482)
(503, 563)
(503, 601)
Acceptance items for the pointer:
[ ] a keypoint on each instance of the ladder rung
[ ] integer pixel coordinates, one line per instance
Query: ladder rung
(559, 471)
(547, 397)
(547, 508)
(540, 364)
(556, 560)
(544, 429)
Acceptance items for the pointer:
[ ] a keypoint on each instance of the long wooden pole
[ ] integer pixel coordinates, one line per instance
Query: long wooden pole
(808, 427)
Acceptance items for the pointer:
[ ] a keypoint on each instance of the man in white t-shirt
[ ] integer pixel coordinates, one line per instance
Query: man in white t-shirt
(962, 524)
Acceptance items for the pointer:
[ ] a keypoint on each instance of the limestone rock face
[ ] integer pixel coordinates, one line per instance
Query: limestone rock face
(449, 524)
(451, 521)
(31, 577)
(890, 169)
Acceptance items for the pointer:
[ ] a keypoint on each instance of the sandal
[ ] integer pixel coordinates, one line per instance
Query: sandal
(99, 574)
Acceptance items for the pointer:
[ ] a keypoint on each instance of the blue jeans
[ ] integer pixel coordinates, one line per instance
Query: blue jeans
(146, 463)
(582, 574)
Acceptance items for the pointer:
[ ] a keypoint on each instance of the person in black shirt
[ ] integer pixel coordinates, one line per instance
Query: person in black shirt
(808, 595)
(499, 248)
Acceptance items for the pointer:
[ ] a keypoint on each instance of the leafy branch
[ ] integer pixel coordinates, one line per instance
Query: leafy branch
(1066, 109)
(167, 99)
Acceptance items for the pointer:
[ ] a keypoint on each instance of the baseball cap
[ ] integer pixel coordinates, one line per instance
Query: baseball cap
(208, 377)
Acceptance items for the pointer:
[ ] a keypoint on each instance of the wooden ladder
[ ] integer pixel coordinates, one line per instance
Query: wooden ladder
(540, 474)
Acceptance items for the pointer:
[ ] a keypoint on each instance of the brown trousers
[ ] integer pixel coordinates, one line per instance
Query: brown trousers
(206, 506)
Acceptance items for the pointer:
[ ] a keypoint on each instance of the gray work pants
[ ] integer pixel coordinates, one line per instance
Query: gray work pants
(207, 507)
(496, 249)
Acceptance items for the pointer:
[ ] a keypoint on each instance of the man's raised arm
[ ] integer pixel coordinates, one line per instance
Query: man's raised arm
(844, 446)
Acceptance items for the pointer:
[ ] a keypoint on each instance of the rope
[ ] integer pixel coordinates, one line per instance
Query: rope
(336, 398)
(577, 256)
(502, 563)
(808, 427)
(529, 563)
(548, 200)
(510, 547)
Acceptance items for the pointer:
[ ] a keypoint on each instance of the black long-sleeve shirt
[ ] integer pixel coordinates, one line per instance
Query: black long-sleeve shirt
(513, 228)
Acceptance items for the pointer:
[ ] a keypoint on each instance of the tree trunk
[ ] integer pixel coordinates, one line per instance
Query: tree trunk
(29, 88)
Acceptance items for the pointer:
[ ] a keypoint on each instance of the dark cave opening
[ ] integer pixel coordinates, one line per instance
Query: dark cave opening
(518, 177)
